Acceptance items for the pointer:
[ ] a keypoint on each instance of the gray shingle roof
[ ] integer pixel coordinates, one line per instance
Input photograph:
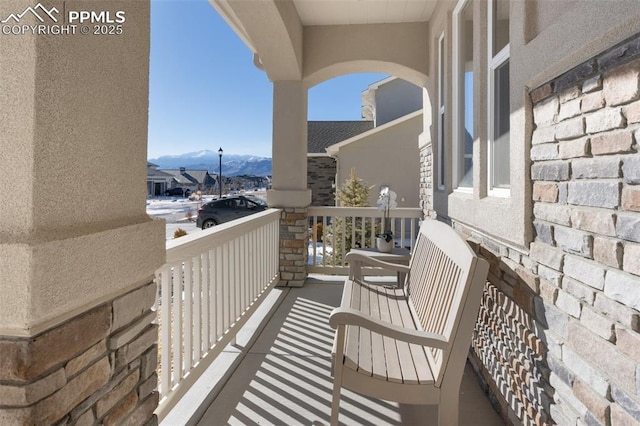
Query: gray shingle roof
(321, 134)
(157, 173)
(177, 175)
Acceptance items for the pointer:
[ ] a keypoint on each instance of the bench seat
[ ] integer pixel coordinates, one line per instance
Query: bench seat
(381, 357)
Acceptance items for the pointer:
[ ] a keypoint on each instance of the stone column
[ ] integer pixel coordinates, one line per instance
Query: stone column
(290, 192)
(77, 250)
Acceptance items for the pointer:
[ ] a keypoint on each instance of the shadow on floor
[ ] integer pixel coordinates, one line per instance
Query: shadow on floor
(285, 378)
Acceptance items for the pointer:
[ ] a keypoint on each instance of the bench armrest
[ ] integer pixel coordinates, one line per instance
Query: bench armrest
(358, 259)
(349, 316)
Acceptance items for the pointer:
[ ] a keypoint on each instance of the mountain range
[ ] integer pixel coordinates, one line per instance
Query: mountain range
(232, 165)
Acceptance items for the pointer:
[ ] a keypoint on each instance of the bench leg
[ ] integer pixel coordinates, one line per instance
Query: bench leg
(337, 375)
(448, 409)
(335, 402)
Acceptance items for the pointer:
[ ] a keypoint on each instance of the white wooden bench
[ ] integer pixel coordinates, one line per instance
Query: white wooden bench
(409, 344)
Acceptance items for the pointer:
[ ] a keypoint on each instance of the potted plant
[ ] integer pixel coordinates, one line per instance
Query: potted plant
(386, 202)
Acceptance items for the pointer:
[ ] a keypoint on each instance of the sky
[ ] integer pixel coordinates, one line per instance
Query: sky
(205, 92)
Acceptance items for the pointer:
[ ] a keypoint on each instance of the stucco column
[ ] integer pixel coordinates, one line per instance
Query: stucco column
(290, 192)
(77, 250)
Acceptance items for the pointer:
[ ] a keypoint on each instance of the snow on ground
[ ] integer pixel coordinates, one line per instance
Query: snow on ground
(318, 256)
(182, 212)
(178, 212)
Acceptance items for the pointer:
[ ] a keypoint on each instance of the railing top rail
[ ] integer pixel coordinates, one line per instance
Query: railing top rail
(400, 212)
(184, 248)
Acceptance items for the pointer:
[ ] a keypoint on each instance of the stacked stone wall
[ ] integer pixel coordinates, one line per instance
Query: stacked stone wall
(426, 180)
(558, 336)
(294, 241)
(586, 190)
(321, 177)
(99, 367)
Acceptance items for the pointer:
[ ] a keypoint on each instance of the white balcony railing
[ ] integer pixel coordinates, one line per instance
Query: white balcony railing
(342, 228)
(210, 285)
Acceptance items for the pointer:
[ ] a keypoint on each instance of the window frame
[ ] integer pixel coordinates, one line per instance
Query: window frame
(441, 112)
(494, 61)
(458, 101)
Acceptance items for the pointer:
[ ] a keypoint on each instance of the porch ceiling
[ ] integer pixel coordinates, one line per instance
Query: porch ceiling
(347, 12)
(296, 39)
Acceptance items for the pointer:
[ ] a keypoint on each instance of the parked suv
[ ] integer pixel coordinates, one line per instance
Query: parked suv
(226, 209)
(174, 192)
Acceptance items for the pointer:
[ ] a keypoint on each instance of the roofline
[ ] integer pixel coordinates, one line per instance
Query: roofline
(340, 121)
(226, 12)
(333, 149)
(317, 154)
(379, 83)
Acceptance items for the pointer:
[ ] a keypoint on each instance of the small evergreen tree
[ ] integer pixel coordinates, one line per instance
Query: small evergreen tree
(353, 193)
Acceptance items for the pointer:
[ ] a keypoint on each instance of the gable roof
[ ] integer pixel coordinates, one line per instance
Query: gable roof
(190, 177)
(333, 150)
(157, 173)
(322, 134)
(179, 177)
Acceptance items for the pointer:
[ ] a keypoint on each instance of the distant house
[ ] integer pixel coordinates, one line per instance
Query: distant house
(251, 182)
(389, 99)
(321, 168)
(387, 155)
(158, 181)
(383, 147)
(194, 180)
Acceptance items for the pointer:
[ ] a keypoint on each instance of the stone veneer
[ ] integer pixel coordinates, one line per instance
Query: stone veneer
(558, 336)
(321, 177)
(294, 240)
(426, 180)
(99, 367)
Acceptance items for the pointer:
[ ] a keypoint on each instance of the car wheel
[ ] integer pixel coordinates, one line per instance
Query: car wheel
(209, 223)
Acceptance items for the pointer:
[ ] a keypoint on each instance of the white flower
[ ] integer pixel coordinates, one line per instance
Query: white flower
(387, 199)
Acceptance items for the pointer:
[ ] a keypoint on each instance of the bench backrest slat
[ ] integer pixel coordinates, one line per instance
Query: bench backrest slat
(442, 267)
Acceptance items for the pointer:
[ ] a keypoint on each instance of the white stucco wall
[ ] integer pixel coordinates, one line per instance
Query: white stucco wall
(387, 155)
(395, 99)
(73, 229)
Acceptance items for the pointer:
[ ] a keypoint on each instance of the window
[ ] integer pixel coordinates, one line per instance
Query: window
(463, 94)
(441, 122)
(498, 108)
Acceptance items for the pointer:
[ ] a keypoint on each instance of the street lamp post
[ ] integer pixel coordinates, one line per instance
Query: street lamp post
(220, 175)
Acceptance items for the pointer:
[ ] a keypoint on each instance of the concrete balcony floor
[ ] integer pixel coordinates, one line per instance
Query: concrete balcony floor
(278, 373)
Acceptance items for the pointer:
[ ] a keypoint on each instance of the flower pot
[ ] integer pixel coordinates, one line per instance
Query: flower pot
(383, 245)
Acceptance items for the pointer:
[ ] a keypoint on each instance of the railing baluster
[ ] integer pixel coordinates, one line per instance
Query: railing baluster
(334, 247)
(177, 322)
(314, 238)
(206, 271)
(206, 286)
(165, 320)
(325, 224)
(214, 265)
(197, 303)
(218, 295)
(237, 278)
(226, 312)
(188, 315)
